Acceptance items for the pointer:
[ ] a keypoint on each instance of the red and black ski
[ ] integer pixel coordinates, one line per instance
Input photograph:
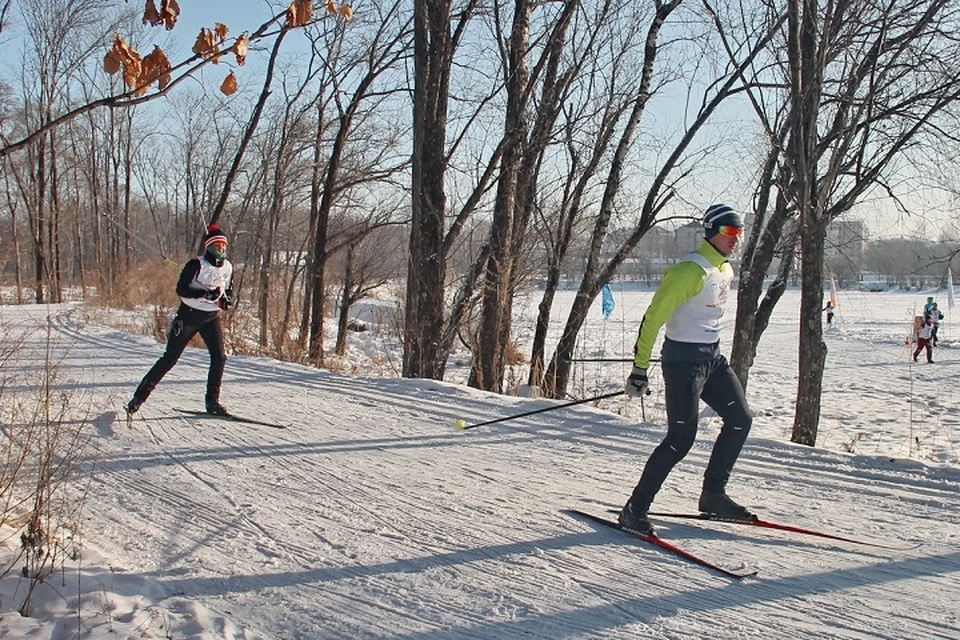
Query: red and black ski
(774, 525)
(663, 544)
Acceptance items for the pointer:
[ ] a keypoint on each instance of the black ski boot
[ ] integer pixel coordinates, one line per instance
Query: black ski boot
(133, 406)
(721, 506)
(635, 520)
(214, 408)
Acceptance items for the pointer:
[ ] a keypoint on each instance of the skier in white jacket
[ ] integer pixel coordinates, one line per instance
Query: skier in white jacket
(205, 287)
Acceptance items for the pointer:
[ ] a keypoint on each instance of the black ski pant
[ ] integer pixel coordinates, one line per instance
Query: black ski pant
(188, 323)
(686, 383)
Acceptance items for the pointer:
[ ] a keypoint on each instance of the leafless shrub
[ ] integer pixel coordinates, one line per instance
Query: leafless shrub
(850, 447)
(40, 455)
(147, 283)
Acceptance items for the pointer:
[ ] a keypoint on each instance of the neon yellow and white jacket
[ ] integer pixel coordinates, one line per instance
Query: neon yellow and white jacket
(690, 301)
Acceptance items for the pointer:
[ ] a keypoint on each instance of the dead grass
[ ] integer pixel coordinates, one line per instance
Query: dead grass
(39, 458)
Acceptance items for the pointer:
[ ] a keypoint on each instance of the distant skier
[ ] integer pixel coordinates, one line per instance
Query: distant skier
(690, 301)
(936, 316)
(924, 339)
(829, 309)
(204, 287)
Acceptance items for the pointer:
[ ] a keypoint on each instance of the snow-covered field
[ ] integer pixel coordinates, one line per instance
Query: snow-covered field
(370, 516)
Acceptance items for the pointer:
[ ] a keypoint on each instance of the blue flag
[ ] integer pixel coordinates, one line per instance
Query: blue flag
(608, 303)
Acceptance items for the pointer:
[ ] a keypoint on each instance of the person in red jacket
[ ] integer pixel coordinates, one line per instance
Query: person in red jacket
(925, 339)
(205, 287)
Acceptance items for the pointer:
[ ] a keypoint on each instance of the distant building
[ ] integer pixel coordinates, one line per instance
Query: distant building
(844, 250)
(688, 238)
(846, 239)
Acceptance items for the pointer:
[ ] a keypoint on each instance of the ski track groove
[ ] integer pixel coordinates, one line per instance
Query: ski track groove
(235, 439)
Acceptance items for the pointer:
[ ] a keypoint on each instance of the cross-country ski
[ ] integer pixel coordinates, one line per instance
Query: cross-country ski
(666, 545)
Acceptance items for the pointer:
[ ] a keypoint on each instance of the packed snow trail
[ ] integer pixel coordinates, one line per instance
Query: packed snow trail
(370, 517)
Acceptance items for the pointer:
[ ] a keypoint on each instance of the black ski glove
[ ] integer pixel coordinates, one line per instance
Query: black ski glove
(637, 383)
(213, 294)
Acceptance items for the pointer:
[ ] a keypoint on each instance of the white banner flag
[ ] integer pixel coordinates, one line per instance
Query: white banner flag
(950, 300)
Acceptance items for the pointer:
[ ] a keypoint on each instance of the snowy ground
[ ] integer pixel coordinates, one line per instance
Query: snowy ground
(372, 517)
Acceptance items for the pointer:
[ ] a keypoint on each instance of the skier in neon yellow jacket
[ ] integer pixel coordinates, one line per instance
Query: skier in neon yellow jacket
(690, 302)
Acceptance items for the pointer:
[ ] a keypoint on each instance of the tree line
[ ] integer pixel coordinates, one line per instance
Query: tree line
(470, 148)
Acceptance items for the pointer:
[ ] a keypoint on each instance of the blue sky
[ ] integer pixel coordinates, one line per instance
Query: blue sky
(239, 15)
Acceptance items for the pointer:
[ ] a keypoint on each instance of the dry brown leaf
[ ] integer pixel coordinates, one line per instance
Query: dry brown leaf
(125, 52)
(154, 67)
(229, 86)
(347, 12)
(111, 62)
(221, 30)
(241, 47)
(206, 45)
(299, 13)
(331, 8)
(150, 14)
(130, 75)
(129, 60)
(170, 11)
(163, 81)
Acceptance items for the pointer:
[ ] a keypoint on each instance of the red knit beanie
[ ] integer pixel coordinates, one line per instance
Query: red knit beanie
(214, 234)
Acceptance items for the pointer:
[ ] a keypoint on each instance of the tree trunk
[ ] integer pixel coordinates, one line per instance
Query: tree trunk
(806, 85)
(127, 133)
(40, 227)
(266, 264)
(538, 352)
(341, 345)
(752, 315)
(558, 372)
(54, 269)
(426, 270)
(490, 350)
(316, 186)
(813, 351)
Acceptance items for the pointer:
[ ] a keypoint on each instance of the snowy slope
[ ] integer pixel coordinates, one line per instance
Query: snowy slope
(372, 517)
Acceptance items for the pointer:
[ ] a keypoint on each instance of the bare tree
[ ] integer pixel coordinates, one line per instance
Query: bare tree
(862, 84)
(52, 31)
(387, 46)
(437, 35)
(369, 262)
(662, 189)
(528, 129)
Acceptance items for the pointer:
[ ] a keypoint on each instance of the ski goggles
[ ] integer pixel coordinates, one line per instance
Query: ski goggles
(730, 231)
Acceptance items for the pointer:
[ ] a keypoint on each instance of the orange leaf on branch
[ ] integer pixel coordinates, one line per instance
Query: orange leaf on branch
(150, 14)
(206, 44)
(123, 55)
(346, 12)
(111, 62)
(169, 11)
(155, 67)
(229, 86)
(241, 47)
(331, 8)
(299, 13)
(221, 30)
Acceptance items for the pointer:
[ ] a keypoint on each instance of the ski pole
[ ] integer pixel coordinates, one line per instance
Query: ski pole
(567, 357)
(463, 426)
